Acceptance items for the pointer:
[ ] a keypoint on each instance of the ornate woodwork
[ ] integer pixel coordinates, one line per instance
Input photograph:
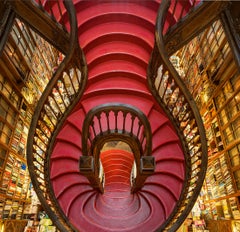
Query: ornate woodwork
(134, 129)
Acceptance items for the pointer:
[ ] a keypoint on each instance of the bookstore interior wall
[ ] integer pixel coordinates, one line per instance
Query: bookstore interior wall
(212, 76)
(27, 64)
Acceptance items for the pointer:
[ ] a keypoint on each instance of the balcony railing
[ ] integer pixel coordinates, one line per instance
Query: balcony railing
(60, 96)
(172, 94)
(177, 10)
(56, 10)
(110, 122)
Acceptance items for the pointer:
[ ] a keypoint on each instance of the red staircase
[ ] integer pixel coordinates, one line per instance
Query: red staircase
(88, 210)
(117, 38)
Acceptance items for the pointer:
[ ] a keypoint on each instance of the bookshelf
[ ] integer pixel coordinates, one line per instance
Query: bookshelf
(27, 64)
(208, 69)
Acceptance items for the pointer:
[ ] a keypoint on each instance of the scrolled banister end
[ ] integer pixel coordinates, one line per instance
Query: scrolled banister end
(147, 164)
(87, 168)
(86, 164)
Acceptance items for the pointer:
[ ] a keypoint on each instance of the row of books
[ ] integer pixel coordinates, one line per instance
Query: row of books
(10, 209)
(15, 180)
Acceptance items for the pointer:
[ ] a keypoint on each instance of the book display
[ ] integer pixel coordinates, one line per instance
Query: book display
(208, 69)
(27, 64)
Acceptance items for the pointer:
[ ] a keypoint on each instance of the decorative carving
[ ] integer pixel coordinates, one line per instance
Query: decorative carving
(171, 46)
(86, 164)
(147, 164)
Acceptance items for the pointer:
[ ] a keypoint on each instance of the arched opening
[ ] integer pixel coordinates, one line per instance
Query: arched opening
(118, 165)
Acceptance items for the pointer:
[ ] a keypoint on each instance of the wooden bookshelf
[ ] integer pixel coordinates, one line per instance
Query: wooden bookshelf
(27, 63)
(207, 67)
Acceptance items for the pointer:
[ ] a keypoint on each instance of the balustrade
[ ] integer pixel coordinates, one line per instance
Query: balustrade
(116, 121)
(172, 94)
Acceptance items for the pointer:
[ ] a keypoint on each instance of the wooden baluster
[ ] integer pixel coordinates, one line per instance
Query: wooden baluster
(179, 105)
(44, 132)
(52, 110)
(124, 121)
(59, 99)
(160, 76)
(45, 111)
(93, 128)
(132, 123)
(35, 160)
(35, 151)
(37, 132)
(99, 122)
(71, 89)
(67, 97)
(72, 77)
(55, 104)
(175, 6)
(164, 85)
(108, 123)
(139, 127)
(116, 124)
(60, 90)
(39, 147)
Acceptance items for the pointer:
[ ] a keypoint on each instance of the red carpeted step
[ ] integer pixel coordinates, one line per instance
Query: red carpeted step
(117, 166)
(107, 206)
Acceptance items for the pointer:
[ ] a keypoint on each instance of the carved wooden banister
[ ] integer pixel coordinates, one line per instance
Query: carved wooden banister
(115, 121)
(172, 94)
(60, 96)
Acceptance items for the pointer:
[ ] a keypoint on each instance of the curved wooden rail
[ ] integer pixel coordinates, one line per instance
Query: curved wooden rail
(115, 121)
(172, 94)
(58, 99)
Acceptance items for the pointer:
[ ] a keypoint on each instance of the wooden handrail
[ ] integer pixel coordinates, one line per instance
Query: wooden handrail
(116, 121)
(58, 99)
(176, 100)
